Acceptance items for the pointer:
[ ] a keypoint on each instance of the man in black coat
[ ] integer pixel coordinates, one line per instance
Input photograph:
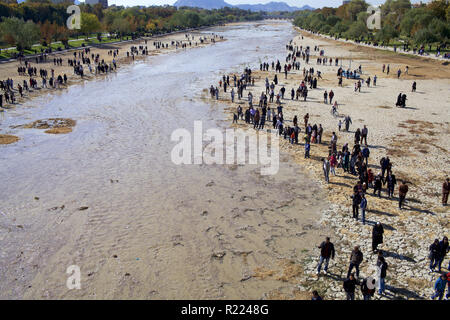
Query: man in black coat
(349, 287)
(377, 185)
(434, 254)
(443, 249)
(355, 204)
(377, 236)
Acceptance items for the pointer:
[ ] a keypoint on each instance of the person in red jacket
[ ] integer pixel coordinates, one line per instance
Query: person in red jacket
(448, 287)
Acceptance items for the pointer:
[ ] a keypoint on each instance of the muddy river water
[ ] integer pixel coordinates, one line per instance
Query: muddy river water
(108, 198)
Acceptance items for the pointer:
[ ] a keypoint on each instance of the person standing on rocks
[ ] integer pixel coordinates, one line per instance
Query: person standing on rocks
(350, 286)
(382, 269)
(391, 182)
(443, 249)
(445, 191)
(402, 190)
(365, 290)
(377, 236)
(356, 258)
(356, 201)
(439, 287)
(326, 169)
(378, 183)
(448, 285)
(326, 252)
(315, 296)
(364, 133)
(363, 206)
(434, 254)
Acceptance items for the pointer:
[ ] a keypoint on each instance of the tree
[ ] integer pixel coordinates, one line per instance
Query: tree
(47, 31)
(424, 36)
(386, 34)
(440, 29)
(17, 32)
(89, 24)
(120, 26)
(439, 8)
(355, 7)
(357, 30)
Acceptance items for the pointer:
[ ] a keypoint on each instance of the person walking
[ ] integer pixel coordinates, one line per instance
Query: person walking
(347, 121)
(356, 258)
(439, 287)
(434, 254)
(391, 182)
(377, 236)
(382, 270)
(326, 169)
(331, 96)
(448, 286)
(307, 149)
(442, 249)
(377, 184)
(363, 206)
(356, 201)
(402, 190)
(364, 133)
(445, 191)
(350, 286)
(326, 252)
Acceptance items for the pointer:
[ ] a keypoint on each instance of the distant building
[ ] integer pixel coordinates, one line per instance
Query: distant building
(94, 2)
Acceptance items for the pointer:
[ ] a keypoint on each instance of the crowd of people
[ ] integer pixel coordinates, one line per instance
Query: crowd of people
(352, 160)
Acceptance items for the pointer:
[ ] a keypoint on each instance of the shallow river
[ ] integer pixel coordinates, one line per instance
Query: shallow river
(152, 230)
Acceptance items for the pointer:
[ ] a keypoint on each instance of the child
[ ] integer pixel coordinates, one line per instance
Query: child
(307, 147)
(339, 125)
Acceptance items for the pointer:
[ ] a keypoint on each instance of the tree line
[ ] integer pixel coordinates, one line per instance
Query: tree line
(419, 24)
(41, 21)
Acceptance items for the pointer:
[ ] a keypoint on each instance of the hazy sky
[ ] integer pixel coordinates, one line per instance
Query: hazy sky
(297, 3)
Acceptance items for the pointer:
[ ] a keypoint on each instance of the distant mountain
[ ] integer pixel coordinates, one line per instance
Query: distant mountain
(218, 4)
(205, 4)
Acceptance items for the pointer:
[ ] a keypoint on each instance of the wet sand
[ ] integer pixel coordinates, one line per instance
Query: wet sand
(107, 197)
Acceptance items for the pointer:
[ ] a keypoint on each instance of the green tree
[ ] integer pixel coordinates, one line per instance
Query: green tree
(424, 36)
(386, 34)
(17, 32)
(89, 24)
(357, 30)
(355, 7)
